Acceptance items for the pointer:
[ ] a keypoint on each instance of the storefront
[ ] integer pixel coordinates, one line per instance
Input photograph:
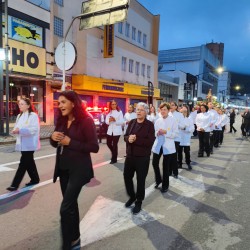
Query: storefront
(27, 72)
(105, 90)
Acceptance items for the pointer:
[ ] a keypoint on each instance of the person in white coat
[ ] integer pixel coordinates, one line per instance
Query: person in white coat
(224, 123)
(180, 121)
(185, 137)
(203, 122)
(217, 128)
(153, 115)
(130, 115)
(166, 129)
(214, 117)
(27, 131)
(114, 120)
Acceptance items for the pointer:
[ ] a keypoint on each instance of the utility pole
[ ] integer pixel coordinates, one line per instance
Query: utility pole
(1, 75)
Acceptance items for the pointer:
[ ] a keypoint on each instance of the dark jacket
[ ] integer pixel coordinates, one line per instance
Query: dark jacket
(246, 118)
(145, 137)
(76, 156)
(232, 117)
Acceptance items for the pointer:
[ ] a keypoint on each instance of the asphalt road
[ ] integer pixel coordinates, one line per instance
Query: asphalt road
(206, 208)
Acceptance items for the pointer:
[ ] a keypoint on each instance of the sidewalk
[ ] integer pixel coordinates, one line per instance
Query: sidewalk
(45, 132)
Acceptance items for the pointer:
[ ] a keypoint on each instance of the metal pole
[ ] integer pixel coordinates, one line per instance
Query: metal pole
(6, 67)
(1, 77)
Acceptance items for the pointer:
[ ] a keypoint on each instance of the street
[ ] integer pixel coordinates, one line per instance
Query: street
(205, 208)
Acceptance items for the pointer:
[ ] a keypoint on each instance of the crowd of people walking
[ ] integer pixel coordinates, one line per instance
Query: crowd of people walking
(164, 132)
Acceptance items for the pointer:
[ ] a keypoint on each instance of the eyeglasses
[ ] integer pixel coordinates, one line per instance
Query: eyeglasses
(140, 110)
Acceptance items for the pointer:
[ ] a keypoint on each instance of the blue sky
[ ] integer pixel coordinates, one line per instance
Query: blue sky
(188, 23)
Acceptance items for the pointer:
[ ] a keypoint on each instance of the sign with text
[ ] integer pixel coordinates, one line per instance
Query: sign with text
(26, 58)
(103, 12)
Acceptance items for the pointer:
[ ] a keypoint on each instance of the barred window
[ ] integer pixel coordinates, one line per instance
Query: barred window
(59, 2)
(58, 26)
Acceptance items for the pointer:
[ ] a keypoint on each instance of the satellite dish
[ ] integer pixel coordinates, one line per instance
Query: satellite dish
(65, 56)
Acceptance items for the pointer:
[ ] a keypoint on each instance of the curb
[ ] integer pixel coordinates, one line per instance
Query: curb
(14, 141)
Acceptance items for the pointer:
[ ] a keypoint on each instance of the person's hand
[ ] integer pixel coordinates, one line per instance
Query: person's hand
(161, 132)
(65, 141)
(111, 119)
(131, 138)
(57, 136)
(15, 131)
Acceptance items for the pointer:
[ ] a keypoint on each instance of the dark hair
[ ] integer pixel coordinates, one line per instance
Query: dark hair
(110, 106)
(154, 110)
(78, 111)
(28, 102)
(205, 106)
(188, 109)
(175, 104)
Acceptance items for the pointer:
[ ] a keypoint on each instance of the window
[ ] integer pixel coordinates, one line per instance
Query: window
(137, 68)
(133, 33)
(139, 36)
(120, 26)
(148, 71)
(127, 28)
(58, 26)
(131, 65)
(44, 4)
(143, 69)
(124, 63)
(59, 2)
(144, 40)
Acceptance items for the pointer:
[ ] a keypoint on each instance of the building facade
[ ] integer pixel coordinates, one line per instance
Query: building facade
(200, 65)
(38, 27)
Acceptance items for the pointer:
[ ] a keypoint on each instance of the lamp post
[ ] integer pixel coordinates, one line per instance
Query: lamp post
(150, 93)
(11, 100)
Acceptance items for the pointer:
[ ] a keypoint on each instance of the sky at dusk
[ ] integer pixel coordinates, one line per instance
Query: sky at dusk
(190, 23)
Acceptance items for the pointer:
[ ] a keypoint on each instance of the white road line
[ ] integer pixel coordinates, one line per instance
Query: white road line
(25, 189)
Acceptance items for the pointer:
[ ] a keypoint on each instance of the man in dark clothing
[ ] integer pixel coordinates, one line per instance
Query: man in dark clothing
(232, 121)
(139, 138)
(245, 126)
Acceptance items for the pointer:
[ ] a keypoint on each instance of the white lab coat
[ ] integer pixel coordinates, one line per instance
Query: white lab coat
(180, 121)
(127, 118)
(165, 141)
(203, 120)
(115, 128)
(29, 132)
(186, 132)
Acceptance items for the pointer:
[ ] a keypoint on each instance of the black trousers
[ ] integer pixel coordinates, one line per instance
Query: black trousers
(112, 143)
(195, 130)
(140, 166)
(203, 142)
(222, 134)
(27, 163)
(173, 168)
(71, 185)
(186, 152)
(211, 140)
(165, 168)
(217, 135)
(232, 128)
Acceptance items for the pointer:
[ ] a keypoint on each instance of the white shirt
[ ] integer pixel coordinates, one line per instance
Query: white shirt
(214, 117)
(225, 120)
(29, 132)
(203, 120)
(180, 121)
(193, 115)
(186, 132)
(218, 123)
(127, 118)
(152, 117)
(115, 128)
(165, 141)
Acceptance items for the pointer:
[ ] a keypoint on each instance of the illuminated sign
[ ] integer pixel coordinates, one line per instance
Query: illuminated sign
(25, 58)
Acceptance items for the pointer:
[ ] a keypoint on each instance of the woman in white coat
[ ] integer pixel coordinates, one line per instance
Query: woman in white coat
(26, 130)
(166, 129)
(114, 120)
(185, 137)
(130, 115)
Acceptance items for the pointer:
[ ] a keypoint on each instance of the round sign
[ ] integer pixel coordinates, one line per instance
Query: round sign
(65, 56)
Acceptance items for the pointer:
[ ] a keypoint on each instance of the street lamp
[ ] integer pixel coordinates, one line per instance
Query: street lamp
(150, 93)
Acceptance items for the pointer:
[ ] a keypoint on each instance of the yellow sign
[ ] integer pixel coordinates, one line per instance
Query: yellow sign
(82, 82)
(26, 58)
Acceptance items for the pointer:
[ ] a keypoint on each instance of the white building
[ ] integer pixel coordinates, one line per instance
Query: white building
(39, 26)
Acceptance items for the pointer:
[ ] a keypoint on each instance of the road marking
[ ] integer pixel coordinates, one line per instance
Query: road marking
(25, 189)
(5, 169)
(107, 217)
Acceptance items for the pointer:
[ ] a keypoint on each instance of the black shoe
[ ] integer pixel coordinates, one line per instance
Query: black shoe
(180, 166)
(112, 162)
(129, 202)
(31, 183)
(11, 188)
(208, 154)
(200, 155)
(137, 208)
(189, 166)
(211, 152)
(175, 176)
(77, 245)
(164, 190)
(157, 184)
